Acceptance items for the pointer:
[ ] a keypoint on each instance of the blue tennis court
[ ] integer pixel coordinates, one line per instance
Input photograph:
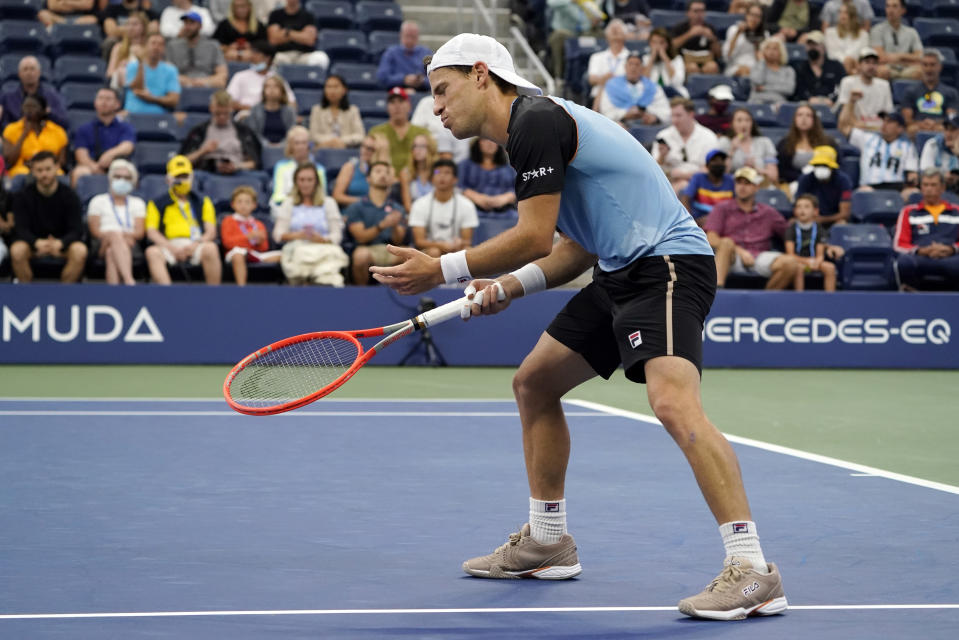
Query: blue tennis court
(350, 519)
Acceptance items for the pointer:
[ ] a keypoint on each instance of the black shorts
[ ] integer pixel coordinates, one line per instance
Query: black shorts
(654, 307)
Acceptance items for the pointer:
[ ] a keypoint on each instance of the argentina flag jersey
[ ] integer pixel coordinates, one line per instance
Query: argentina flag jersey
(615, 200)
(883, 162)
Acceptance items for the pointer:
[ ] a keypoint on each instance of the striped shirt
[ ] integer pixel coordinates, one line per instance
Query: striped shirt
(920, 225)
(883, 162)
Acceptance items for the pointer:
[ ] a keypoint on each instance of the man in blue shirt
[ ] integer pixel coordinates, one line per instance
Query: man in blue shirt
(102, 140)
(29, 72)
(707, 188)
(654, 280)
(373, 222)
(402, 64)
(153, 84)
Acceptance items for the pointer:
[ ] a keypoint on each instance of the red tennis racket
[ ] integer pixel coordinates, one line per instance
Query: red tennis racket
(291, 373)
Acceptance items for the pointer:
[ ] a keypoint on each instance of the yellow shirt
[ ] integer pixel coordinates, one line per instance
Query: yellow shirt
(52, 138)
(178, 221)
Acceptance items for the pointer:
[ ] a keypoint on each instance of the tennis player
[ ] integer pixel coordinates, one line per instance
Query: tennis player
(654, 280)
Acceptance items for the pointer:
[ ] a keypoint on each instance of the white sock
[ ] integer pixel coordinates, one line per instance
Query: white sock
(742, 540)
(547, 520)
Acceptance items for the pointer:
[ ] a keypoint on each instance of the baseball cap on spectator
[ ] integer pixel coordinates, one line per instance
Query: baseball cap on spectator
(816, 37)
(192, 15)
(715, 152)
(397, 92)
(868, 52)
(748, 173)
(467, 49)
(895, 116)
(951, 122)
(178, 166)
(721, 92)
(824, 156)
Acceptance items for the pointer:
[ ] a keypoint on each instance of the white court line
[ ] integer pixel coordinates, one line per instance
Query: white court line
(787, 451)
(300, 414)
(349, 612)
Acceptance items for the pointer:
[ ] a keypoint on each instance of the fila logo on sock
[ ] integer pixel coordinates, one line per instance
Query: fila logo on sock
(635, 339)
(740, 527)
(552, 507)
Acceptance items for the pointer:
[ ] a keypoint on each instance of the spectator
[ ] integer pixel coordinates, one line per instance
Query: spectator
(48, 222)
(132, 46)
(373, 222)
(488, 180)
(198, 59)
(292, 31)
(741, 231)
(634, 14)
(335, 123)
(311, 228)
(351, 184)
(104, 139)
(153, 84)
(296, 154)
(818, 76)
(897, 44)
(246, 86)
(806, 242)
(568, 21)
(793, 19)
(398, 130)
(939, 152)
(221, 145)
(115, 20)
(848, 38)
(870, 95)
(681, 148)
(401, 65)
(272, 118)
(116, 220)
(746, 147)
(6, 217)
(443, 220)
(796, 149)
(28, 72)
(416, 178)
(741, 47)
(170, 23)
(889, 159)
(707, 188)
(831, 12)
(32, 134)
(177, 237)
(831, 187)
(772, 79)
(609, 62)
(696, 40)
(665, 67)
(927, 236)
(633, 98)
(68, 12)
(238, 30)
(718, 118)
(245, 239)
(927, 105)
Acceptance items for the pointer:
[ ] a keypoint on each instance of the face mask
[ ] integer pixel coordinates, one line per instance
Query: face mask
(716, 170)
(258, 67)
(822, 173)
(813, 54)
(720, 106)
(182, 187)
(121, 186)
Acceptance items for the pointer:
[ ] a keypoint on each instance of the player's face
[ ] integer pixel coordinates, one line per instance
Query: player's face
(457, 102)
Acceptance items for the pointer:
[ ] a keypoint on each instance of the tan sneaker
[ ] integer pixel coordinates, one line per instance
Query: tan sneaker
(738, 591)
(523, 557)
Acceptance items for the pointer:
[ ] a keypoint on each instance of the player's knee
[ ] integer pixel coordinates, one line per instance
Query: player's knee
(525, 385)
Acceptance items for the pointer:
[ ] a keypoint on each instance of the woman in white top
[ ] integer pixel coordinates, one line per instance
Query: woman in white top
(844, 41)
(116, 222)
(665, 67)
(335, 123)
(747, 148)
(742, 41)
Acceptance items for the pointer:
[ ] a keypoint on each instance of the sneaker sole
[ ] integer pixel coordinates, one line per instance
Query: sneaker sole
(768, 608)
(544, 573)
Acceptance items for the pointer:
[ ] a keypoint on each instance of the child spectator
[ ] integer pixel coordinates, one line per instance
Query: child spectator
(806, 240)
(244, 237)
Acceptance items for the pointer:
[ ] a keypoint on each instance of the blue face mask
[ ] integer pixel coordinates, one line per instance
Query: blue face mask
(258, 67)
(121, 186)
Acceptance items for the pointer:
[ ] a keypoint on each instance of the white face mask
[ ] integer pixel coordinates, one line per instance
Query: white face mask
(822, 173)
(121, 186)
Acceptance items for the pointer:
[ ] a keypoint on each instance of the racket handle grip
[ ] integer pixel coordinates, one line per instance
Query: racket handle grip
(450, 310)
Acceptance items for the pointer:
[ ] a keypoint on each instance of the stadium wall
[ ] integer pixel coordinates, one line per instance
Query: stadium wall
(51, 323)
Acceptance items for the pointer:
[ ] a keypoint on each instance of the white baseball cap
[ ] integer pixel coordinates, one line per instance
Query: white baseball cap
(466, 49)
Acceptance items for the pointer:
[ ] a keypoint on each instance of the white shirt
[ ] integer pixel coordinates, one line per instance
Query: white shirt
(876, 97)
(443, 221)
(701, 142)
(423, 116)
(605, 61)
(170, 22)
(883, 161)
(116, 218)
(246, 87)
(841, 48)
(657, 73)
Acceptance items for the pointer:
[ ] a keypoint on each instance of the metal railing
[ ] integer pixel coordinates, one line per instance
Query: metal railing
(548, 85)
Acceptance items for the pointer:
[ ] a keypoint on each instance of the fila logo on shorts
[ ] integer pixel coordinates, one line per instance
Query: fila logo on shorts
(635, 339)
(536, 173)
(740, 527)
(552, 507)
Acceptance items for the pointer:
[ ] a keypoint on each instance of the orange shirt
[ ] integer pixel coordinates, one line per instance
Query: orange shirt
(52, 138)
(234, 229)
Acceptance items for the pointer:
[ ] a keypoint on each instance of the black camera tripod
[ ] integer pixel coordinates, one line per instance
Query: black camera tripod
(433, 356)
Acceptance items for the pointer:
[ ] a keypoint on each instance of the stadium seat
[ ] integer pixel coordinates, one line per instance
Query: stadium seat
(189, 122)
(152, 186)
(151, 157)
(668, 18)
(270, 156)
(79, 117)
(23, 36)
(233, 67)
(86, 69)
(878, 207)
(302, 76)
(91, 185)
(220, 189)
(372, 104)
(776, 134)
(826, 116)
(332, 14)
(796, 53)
(577, 52)
(343, 46)
(646, 134)
(195, 99)
(76, 39)
(306, 98)
(369, 123)
(699, 84)
(78, 95)
(945, 8)
(899, 89)
(868, 261)
(333, 159)
(777, 200)
(380, 41)
(949, 196)
(20, 9)
(850, 166)
(763, 114)
(356, 74)
(938, 32)
(720, 22)
(153, 127)
(378, 16)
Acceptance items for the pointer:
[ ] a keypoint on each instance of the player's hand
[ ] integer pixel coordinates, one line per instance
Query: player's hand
(416, 273)
(488, 298)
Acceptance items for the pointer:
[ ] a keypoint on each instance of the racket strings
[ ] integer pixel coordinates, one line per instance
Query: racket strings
(293, 371)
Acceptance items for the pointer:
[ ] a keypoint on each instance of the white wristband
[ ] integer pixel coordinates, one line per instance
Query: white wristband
(455, 269)
(531, 277)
